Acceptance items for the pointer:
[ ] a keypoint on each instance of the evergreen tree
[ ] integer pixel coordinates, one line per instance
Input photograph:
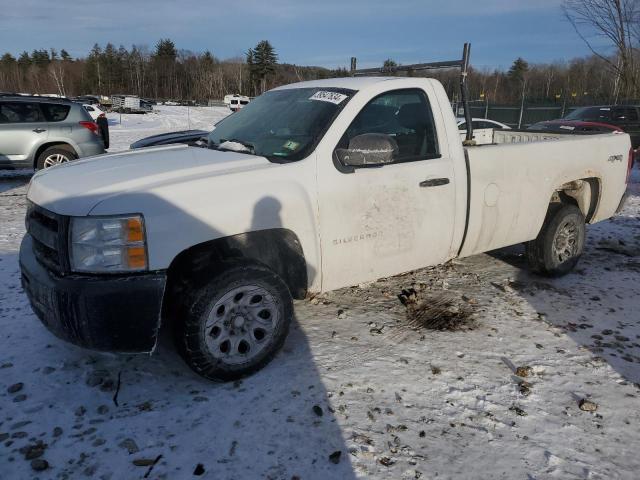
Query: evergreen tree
(24, 61)
(518, 70)
(264, 61)
(94, 70)
(389, 63)
(250, 59)
(166, 49)
(64, 55)
(164, 63)
(40, 58)
(7, 60)
(208, 60)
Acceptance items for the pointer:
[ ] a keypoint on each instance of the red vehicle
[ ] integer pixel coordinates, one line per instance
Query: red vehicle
(579, 127)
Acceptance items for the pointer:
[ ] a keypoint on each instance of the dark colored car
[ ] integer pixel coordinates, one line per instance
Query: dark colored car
(580, 128)
(189, 137)
(575, 126)
(626, 117)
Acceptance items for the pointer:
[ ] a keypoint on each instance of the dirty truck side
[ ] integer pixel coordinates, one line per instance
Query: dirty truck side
(311, 187)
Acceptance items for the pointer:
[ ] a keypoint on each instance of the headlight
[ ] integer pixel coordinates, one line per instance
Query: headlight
(107, 244)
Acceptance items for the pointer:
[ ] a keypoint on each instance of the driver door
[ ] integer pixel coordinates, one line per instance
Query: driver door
(378, 220)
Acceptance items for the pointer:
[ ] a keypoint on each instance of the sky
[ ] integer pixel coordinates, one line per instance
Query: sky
(319, 32)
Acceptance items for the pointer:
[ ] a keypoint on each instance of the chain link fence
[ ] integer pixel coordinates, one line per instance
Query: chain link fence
(516, 116)
(524, 115)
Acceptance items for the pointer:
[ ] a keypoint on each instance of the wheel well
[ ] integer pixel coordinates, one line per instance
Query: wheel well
(583, 193)
(279, 249)
(43, 147)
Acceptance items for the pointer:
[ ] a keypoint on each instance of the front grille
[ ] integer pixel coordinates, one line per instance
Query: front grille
(49, 233)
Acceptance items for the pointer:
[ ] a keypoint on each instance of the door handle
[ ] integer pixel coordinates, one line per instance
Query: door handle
(435, 182)
(38, 130)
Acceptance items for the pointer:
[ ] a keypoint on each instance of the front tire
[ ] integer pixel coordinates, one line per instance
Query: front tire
(233, 324)
(55, 155)
(560, 243)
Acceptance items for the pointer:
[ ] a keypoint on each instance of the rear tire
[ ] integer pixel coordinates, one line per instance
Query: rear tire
(233, 324)
(54, 156)
(560, 243)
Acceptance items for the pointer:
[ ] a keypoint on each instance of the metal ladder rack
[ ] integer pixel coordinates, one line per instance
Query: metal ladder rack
(462, 64)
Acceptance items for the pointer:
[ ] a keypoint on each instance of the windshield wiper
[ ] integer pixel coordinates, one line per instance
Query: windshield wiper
(235, 145)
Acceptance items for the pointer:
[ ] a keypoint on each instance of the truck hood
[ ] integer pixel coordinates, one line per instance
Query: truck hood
(75, 188)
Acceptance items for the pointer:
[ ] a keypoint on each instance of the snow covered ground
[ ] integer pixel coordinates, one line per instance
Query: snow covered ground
(398, 401)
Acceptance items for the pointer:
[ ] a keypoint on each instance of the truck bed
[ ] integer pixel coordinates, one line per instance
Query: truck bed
(512, 181)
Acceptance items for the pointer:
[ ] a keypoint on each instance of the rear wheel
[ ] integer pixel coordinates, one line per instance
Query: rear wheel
(235, 323)
(54, 156)
(560, 243)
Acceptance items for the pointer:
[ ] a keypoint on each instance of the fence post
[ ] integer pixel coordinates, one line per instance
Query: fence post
(486, 107)
(521, 106)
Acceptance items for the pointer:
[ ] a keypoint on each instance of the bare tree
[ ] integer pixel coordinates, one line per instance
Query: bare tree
(616, 21)
(56, 70)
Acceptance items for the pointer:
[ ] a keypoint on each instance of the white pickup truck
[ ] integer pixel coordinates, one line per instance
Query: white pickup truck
(311, 187)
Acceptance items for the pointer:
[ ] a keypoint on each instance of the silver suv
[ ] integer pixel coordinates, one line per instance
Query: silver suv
(40, 132)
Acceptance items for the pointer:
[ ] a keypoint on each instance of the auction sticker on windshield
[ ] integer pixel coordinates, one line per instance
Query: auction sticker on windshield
(325, 96)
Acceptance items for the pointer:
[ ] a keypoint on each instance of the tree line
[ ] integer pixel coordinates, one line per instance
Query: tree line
(163, 72)
(168, 73)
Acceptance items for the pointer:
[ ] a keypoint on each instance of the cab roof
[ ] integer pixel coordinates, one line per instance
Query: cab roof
(351, 83)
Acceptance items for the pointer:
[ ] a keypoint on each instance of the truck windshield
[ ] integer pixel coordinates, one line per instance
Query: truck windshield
(282, 125)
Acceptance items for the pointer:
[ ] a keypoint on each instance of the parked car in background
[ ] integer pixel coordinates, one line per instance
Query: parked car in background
(580, 127)
(186, 137)
(146, 105)
(625, 117)
(40, 132)
(94, 111)
(575, 126)
(482, 129)
(87, 99)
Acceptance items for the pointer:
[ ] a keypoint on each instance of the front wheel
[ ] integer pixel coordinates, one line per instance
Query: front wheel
(560, 243)
(234, 324)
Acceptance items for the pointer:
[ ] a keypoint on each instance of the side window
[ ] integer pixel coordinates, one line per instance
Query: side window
(55, 112)
(598, 114)
(402, 120)
(3, 114)
(625, 114)
(20, 112)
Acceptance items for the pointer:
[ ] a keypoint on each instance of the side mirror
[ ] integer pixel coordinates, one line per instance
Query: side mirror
(202, 142)
(369, 149)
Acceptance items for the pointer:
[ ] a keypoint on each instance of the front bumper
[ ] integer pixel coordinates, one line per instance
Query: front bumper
(101, 312)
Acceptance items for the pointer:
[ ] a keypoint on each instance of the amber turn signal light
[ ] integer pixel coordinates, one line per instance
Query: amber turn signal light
(135, 230)
(136, 258)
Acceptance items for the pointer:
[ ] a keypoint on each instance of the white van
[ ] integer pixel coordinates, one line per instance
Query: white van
(235, 102)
